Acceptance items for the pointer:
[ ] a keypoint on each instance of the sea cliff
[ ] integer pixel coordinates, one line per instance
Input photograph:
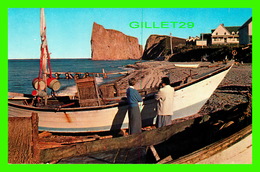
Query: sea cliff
(109, 44)
(160, 46)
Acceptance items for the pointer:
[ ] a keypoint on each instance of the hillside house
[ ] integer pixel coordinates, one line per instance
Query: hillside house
(225, 35)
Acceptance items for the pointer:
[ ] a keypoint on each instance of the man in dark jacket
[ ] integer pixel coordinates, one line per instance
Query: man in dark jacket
(134, 114)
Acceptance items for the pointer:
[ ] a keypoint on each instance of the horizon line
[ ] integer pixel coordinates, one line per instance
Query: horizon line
(51, 58)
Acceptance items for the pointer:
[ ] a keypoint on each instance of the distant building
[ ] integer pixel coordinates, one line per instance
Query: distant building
(205, 39)
(245, 33)
(225, 35)
(192, 40)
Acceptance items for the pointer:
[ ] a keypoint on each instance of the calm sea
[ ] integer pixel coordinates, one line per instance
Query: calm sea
(22, 72)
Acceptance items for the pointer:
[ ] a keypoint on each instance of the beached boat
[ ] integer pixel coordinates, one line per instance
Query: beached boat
(90, 112)
(235, 149)
(187, 65)
(190, 97)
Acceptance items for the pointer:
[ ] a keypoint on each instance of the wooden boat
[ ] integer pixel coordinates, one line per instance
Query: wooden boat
(91, 112)
(189, 97)
(187, 65)
(224, 151)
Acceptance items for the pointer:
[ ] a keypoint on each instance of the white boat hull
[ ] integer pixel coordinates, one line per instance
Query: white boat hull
(188, 101)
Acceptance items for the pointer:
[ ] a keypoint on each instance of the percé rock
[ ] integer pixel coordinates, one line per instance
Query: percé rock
(159, 46)
(109, 44)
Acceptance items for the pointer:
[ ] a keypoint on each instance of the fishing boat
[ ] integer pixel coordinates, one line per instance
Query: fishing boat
(190, 97)
(91, 112)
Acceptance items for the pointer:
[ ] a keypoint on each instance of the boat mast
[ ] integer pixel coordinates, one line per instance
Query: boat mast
(45, 78)
(44, 51)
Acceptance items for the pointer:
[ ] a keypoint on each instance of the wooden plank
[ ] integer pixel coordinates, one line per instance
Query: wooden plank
(44, 134)
(23, 140)
(144, 139)
(157, 157)
(35, 138)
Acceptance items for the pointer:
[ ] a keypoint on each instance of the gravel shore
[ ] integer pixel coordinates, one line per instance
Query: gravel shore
(232, 90)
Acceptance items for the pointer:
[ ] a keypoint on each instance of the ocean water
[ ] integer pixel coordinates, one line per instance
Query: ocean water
(22, 72)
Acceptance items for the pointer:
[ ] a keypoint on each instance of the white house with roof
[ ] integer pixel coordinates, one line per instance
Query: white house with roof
(245, 33)
(225, 35)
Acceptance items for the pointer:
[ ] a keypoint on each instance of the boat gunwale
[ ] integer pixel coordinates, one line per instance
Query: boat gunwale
(217, 71)
(149, 97)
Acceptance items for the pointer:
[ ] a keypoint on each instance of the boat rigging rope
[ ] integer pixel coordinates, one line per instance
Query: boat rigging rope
(49, 61)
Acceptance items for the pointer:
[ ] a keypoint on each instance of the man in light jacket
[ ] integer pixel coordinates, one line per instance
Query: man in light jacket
(165, 103)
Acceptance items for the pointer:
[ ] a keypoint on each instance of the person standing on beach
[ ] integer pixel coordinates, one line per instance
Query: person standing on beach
(165, 103)
(134, 114)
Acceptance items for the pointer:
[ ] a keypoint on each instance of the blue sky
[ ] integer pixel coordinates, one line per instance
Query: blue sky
(69, 29)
